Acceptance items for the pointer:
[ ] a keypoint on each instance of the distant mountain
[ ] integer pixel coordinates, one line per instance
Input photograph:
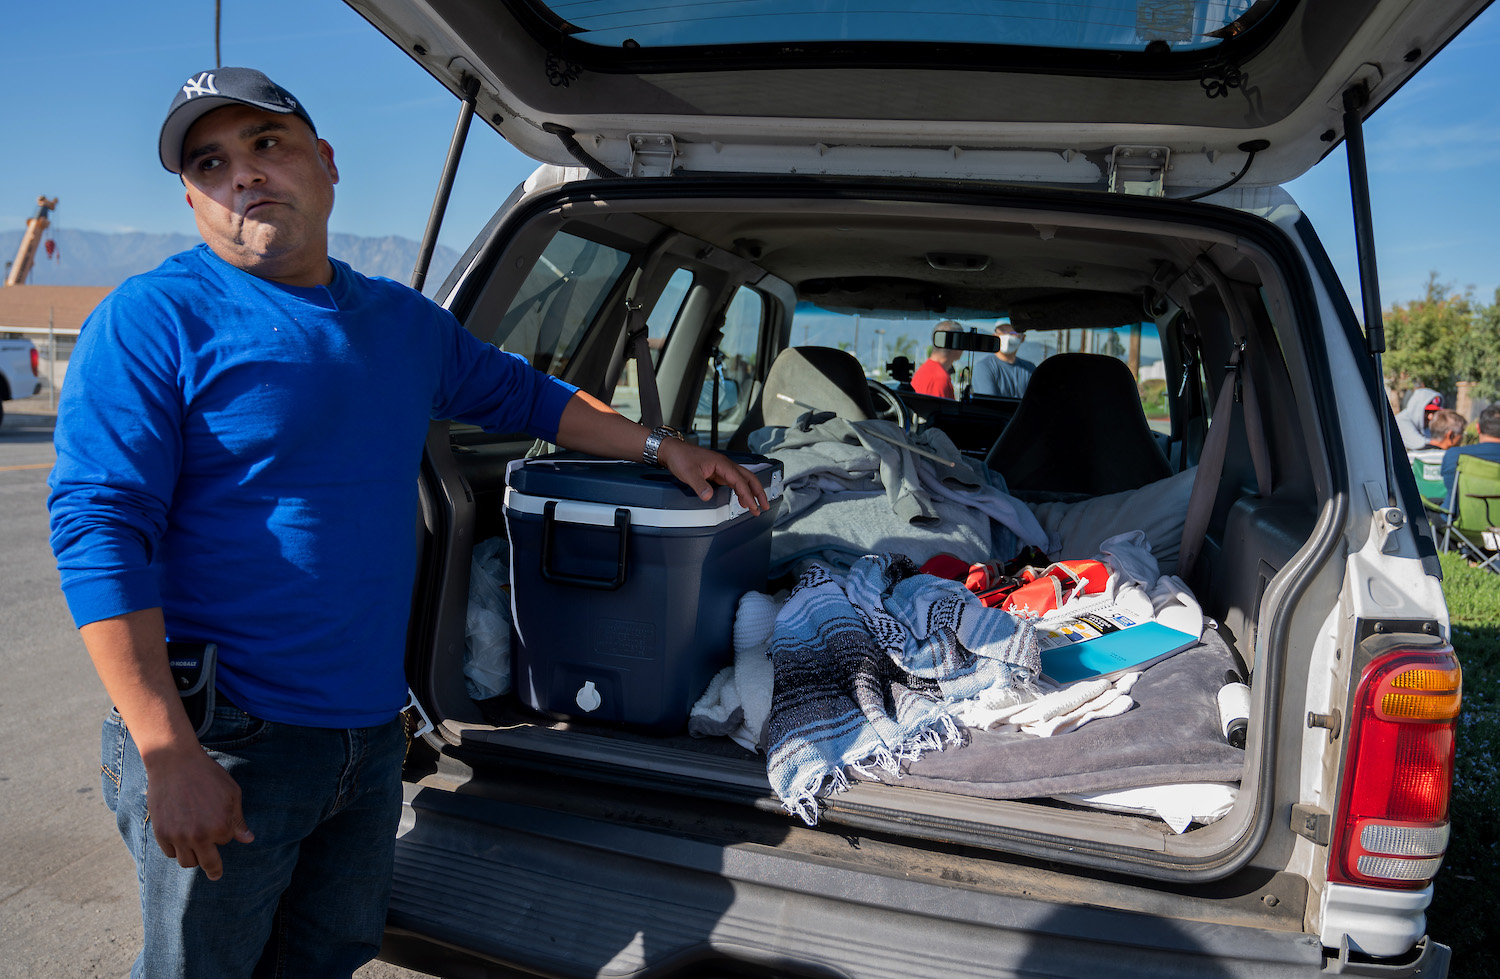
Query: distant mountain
(94, 258)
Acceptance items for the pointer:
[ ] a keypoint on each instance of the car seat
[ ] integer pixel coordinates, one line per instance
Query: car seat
(824, 377)
(1079, 431)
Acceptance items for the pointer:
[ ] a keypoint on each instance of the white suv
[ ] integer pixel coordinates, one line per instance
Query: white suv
(771, 175)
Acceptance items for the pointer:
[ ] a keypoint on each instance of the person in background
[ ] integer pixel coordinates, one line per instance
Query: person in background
(1488, 447)
(1445, 430)
(237, 459)
(934, 377)
(1006, 374)
(1413, 419)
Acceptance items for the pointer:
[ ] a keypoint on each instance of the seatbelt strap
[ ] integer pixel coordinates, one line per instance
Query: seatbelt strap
(1210, 466)
(1238, 387)
(713, 425)
(645, 372)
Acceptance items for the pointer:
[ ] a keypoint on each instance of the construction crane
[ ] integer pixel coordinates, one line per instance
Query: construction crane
(20, 269)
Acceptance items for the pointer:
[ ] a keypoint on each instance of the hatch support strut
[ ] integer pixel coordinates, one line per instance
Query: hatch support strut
(445, 184)
(1355, 99)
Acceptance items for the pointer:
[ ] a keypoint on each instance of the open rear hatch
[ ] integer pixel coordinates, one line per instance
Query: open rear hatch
(1171, 94)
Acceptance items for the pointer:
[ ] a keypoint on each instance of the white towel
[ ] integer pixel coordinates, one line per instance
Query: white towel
(746, 686)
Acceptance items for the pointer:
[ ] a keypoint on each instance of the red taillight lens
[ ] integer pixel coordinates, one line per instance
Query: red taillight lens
(1398, 772)
(36, 361)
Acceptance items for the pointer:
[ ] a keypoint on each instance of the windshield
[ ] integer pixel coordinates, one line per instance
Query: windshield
(878, 339)
(1103, 25)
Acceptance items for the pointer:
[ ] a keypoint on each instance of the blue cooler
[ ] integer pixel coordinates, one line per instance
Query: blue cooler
(624, 585)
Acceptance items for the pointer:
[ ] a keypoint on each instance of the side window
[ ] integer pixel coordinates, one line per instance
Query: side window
(663, 315)
(558, 301)
(736, 354)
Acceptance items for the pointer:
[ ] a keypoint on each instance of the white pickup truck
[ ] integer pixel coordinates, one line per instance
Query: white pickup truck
(18, 371)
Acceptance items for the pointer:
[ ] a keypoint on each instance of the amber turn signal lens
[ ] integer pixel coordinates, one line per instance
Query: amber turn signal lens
(1423, 694)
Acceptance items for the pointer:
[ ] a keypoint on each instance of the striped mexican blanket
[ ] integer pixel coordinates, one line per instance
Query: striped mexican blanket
(866, 668)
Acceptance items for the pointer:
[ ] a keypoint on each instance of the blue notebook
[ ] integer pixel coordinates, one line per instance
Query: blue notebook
(1114, 653)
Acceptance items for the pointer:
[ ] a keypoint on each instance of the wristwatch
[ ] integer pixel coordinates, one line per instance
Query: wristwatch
(654, 440)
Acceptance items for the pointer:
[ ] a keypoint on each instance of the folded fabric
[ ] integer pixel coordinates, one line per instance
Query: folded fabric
(1172, 734)
(1066, 709)
(738, 699)
(853, 488)
(1178, 805)
(1158, 509)
(861, 667)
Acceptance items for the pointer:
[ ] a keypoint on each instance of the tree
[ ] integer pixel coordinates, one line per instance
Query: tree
(1429, 341)
(1478, 351)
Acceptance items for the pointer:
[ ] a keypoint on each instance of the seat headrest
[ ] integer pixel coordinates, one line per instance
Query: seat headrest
(824, 377)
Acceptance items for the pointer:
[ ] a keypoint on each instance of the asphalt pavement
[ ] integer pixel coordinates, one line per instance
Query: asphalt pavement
(68, 904)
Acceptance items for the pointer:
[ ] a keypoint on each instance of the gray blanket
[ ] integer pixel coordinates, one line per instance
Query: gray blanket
(1172, 735)
(849, 492)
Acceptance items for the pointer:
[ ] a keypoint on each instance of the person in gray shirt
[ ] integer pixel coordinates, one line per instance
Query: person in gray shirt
(1006, 374)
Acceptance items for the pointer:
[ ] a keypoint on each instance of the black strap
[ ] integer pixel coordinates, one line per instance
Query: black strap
(645, 372)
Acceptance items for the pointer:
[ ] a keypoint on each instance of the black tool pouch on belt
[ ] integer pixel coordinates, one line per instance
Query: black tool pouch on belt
(193, 665)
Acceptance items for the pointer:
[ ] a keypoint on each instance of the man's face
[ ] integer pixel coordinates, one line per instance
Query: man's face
(1010, 340)
(261, 188)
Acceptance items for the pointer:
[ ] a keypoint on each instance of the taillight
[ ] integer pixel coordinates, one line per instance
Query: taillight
(36, 361)
(1392, 824)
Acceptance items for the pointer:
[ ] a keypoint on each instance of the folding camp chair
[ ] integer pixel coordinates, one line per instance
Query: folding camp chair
(1427, 467)
(1475, 520)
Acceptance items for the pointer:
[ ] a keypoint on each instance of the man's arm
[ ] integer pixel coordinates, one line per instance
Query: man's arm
(194, 804)
(589, 425)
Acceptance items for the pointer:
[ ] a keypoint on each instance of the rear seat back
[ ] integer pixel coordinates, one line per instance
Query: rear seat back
(1079, 431)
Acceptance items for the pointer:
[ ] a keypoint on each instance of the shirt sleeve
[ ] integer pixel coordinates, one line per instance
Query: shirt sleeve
(498, 391)
(119, 450)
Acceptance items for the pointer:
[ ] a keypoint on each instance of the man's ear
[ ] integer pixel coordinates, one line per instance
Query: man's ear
(187, 197)
(326, 152)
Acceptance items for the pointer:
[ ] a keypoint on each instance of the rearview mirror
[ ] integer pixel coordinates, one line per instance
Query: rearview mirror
(969, 339)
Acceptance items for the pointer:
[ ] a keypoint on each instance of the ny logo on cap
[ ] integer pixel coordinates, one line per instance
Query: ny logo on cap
(202, 85)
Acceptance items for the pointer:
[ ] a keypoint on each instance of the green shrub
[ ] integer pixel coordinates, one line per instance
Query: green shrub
(1153, 396)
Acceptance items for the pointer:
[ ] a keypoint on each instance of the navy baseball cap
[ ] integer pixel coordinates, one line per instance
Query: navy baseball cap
(210, 90)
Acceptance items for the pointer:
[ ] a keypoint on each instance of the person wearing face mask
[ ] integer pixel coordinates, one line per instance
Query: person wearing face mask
(1006, 374)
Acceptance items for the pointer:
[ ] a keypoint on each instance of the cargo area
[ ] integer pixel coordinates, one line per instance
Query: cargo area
(1050, 265)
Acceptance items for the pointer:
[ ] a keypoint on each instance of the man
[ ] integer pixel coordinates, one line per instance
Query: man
(934, 376)
(1006, 374)
(237, 452)
(1488, 447)
(1445, 429)
(1412, 421)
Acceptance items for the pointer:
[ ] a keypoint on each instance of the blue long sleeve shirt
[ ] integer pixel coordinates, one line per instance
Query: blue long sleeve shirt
(245, 455)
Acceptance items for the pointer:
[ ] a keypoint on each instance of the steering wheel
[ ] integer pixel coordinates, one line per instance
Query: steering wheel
(889, 406)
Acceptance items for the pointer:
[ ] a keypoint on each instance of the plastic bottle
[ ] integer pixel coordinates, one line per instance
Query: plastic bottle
(1234, 710)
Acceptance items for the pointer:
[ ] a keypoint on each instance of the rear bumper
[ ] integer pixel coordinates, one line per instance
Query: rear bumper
(539, 891)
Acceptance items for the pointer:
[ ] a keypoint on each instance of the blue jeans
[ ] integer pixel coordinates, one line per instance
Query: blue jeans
(308, 897)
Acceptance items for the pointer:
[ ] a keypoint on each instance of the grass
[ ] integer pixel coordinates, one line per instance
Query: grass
(1464, 912)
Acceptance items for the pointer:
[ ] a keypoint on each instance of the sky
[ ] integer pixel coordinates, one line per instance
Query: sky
(83, 88)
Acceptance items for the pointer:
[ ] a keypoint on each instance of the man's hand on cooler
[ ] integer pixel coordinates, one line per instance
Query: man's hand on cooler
(698, 467)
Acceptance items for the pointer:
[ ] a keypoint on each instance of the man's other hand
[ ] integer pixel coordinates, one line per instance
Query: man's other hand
(194, 808)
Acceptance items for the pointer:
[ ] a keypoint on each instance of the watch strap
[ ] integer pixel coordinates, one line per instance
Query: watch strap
(653, 443)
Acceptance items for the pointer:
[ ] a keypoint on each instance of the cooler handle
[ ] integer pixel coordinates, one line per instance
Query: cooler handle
(622, 528)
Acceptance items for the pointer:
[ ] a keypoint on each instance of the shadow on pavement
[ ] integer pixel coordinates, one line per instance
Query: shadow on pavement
(21, 426)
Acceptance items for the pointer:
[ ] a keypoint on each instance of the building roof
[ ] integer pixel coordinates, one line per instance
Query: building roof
(28, 307)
